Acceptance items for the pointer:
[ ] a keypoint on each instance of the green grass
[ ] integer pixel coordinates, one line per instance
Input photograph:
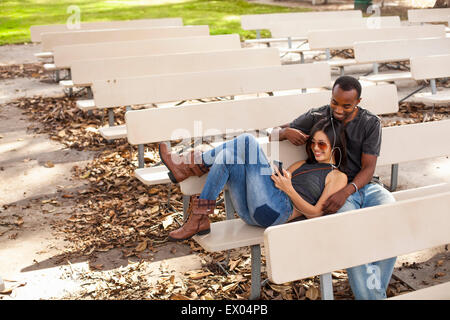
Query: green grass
(222, 16)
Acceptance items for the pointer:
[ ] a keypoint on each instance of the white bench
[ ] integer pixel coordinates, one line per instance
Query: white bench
(85, 71)
(220, 117)
(379, 99)
(37, 30)
(207, 84)
(337, 39)
(64, 56)
(299, 29)
(50, 40)
(328, 248)
(432, 68)
(262, 21)
(397, 50)
(428, 15)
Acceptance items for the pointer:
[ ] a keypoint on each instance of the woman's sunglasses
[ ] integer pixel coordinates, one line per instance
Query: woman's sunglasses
(321, 144)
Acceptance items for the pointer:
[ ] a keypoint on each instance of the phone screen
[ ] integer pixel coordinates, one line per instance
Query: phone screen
(279, 165)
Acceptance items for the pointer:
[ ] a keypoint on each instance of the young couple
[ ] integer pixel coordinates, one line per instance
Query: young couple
(342, 143)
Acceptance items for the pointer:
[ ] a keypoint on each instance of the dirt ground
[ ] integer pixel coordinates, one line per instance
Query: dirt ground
(41, 192)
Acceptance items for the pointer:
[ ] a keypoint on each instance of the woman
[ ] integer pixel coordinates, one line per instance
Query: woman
(260, 197)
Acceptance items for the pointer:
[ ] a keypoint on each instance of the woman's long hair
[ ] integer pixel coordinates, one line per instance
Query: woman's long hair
(336, 135)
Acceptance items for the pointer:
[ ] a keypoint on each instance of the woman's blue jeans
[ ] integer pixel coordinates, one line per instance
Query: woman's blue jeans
(370, 281)
(243, 167)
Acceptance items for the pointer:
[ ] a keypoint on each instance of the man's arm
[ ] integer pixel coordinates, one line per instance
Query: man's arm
(295, 136)
(364, 176)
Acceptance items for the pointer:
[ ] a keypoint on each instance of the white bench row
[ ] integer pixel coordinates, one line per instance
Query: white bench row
(198, 85)
(239, 115)
(37, 30)
(262, 21)
(64, 56)
(84, 72)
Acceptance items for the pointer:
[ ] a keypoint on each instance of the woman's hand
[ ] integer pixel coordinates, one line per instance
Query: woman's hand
(282, 182)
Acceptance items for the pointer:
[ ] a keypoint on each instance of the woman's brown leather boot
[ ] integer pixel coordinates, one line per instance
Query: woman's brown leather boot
(197, 222)
(182, 166)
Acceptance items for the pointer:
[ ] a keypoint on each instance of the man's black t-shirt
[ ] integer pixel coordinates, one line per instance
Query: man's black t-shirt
(363, 134)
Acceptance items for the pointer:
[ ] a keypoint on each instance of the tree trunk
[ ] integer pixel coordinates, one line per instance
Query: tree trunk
(442, 4)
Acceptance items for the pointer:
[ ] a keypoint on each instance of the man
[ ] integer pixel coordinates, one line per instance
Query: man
(363, 139)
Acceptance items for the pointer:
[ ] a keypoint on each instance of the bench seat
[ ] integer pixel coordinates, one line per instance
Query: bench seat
(428, 98)
(230, 234)
(268, 40)
(50, 67)
(235, 233)
(116, 132)
(342, 62)
(381, 77)
(66, 83)
(86, 105)
(44, 55)
(436, 292)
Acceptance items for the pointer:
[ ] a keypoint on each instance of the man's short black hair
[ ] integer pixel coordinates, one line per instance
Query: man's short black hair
(348, 83)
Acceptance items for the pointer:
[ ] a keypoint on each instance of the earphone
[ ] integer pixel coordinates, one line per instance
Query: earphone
(334, 143)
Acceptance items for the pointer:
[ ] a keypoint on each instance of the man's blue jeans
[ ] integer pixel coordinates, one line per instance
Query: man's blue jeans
(370, 281)
(243, 167)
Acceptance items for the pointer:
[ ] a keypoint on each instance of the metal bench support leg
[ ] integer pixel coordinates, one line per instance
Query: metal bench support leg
(141, 155)
(111, 117)
(326, 286)
(375, 68)
(394, 177)
(433, 86)
(255, 292)
(186, 199)
(229, 209)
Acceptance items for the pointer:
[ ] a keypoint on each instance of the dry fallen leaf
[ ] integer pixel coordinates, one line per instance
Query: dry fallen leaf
(178, 296)
(142, 246)
(312, 293)
(49, 164)
(19, 221)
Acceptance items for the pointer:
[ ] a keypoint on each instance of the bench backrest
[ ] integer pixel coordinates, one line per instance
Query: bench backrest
(398, 50)
(301, 28)
(208, 84)
(261, 21)
(429, 15)
(325, 244)
(85, 71)
(344, 39)
(50, 40)
(249, 114)
(64, 56)
(430, 67)
(123, 24)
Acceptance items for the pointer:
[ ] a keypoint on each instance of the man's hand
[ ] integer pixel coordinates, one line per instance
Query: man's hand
(295, 136)
(335, 202)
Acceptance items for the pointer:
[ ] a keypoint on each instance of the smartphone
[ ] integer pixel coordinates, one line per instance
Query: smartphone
(279, 165)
